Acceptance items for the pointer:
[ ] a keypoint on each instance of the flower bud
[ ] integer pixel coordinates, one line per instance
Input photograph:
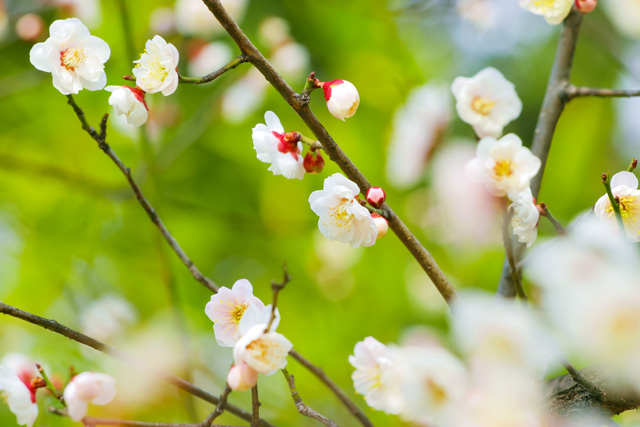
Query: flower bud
(586, 6)
(376, 197)
(129, 102)
(381, 223)
(313, 162)
(242, 377)
(342, 98)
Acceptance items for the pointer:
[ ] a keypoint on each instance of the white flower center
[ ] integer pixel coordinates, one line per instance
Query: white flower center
(544, 5)
(71, 58)
(503, 168)
(340, 217)
(154, 68)
(438, 393)
(482, 106)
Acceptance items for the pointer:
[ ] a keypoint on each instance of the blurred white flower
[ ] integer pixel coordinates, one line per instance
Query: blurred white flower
(129, 102)
(290, 59)
(264, 352)
(106, 318)
(156, 71)
(624, 186)
(193, 17)
(162, 20)
(417, 128)
(524, 219)
(554, 11)
(503, 165)
(625, 16)
(29, 27)
(86, 10)
(16, 373)
(342, 98)
(274, 146)
(242, 377)
(227, 308)
(244, 96)
(342, 217)
(73, 56)
(209, 58)
(273, 31)
(487, 101)
(85, 388)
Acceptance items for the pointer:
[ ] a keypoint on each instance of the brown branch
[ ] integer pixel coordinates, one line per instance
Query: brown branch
(575, 92)
(255, 406)
(507, 239)
(300, 104)
(301, 406)
(277, 287)
(212, 76)
(100, 138)
(222, 403)
(93, 422)
(63, 330)
(319, 373)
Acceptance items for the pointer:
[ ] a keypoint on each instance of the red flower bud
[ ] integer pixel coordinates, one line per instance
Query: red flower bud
(313, 162)
(376, 197)
(586, 6)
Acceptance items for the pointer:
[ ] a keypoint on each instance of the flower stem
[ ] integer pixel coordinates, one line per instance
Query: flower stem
(212, 76)
(615, 203)
(311, 84)
(552, 219)
(49, 385)
(633, 165)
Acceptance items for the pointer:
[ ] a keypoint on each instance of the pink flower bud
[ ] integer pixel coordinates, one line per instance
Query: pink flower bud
(242, 377)
(29, 27)
(586, 6)
(313, 162)
(342, 98)
(381, 223)
(376, 197)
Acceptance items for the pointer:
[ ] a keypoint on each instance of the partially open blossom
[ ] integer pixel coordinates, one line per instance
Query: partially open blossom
(381, 223)
(503, 165)
(73, 56)
(85, 388)
(242, 377)
(156, 71)
(554, 11)
(129, 102)
(342, 98)
(16, 373)
(313, 162)
(376, 197)
(342, 217)
(264, 352)
(624, 186)
(281, 149)
(487, 101)
(586, 6)
(525, 215)
(226, 309)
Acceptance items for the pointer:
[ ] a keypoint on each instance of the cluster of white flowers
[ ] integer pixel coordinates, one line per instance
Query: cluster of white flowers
(241, 321)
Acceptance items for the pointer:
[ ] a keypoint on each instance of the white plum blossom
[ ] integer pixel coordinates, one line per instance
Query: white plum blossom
(373, 377)
(342, 98)
(624, 186)
(274, 146)
(503, 165)
(193, 18)
(227, 307)
(73, 56)
(129, 102)
(625, 15)
(209, 58)
(156, 71)
(107, 317)
(85, 388)
(342, 217)
(525, 215)
(16, 373)
(554, 11)
(487, 101)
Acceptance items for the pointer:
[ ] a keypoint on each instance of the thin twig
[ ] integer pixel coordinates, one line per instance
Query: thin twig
(579, 378)
(552, 219)
(301, 406)
(63, 330)
(508, 248)
(277, 287)
(300, 104)
(222, 403)
(615, 203)
(255, 406)
(100, 139)
(212, 76)
(575, 92)
(319, 373)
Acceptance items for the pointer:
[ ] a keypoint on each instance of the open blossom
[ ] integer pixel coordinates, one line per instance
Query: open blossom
(525, 215)
(228, 307)
(129, 102)
(554, 11)
(280, 149)
(85, 388)
(156, 71)
(16, 373)
(624, 186)
(503, 165)
(487, 101)
(73, 56)
(342, 218)
(264, 352)
(342, 98)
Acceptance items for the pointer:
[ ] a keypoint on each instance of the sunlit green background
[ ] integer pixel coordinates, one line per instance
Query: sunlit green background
(72, 232)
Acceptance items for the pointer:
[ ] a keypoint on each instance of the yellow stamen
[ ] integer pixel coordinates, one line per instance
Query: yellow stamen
(503, 168)
(482, 106)
(71, 58)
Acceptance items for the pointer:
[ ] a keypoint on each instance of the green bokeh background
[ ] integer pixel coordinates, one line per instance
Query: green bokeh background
(73, 232)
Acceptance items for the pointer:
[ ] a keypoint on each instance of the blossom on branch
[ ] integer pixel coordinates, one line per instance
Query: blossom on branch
(282, 150)
(342, 98)
(73, 56)
(624, 186)
(85, 388)
(156, 70)
(129, 102)
(16, 373)
(342, 217)
(264, 352)
(487, 101)
(525, 215)
(503, 165)
(554, 11)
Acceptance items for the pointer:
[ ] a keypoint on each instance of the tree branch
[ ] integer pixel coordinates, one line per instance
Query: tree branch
(212, 76)
(507, 239)
(222, 403)
(300, 104)
(277, 287)
(255, 406)
(63, 330)
(301, 406)
(575, 92)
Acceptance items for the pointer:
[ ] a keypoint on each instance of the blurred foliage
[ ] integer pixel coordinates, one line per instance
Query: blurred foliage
(73, 232)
